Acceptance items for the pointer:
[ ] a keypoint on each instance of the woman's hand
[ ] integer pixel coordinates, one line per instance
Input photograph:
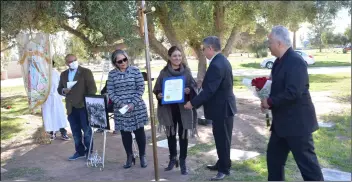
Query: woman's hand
(160, 96)
(131, 107)
(187, 91)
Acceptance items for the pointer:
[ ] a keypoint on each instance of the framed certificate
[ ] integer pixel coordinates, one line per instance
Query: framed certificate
(173, 90)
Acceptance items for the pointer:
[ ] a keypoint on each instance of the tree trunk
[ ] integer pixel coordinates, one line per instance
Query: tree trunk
(219, 16)
(154, 43)
(320, 44)
(294, 40)
(169, 30)
(230, 42)
(158, 47)
(202, 61)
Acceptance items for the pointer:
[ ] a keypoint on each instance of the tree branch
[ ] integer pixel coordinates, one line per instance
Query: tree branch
(97, 49)
(9, 47)
(75, 32)
(169, 30)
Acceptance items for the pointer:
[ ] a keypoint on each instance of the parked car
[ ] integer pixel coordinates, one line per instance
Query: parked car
(347, 48)
(269, 62)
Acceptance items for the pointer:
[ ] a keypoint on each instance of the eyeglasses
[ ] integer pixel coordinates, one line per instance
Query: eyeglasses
(203, 48)
(120, 61)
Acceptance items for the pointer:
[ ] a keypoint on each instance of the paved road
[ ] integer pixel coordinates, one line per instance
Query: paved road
(237, 72)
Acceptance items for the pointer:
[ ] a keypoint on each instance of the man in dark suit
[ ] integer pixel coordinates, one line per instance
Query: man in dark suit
(294, 118)
(219, 103)
(74, 97)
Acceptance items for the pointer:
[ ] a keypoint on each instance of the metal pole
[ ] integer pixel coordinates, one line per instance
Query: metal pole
(151, 105)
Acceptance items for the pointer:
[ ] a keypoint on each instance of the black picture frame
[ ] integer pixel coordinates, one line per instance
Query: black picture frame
(96, 106)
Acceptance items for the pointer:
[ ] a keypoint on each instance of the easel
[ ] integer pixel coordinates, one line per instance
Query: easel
(96, 160)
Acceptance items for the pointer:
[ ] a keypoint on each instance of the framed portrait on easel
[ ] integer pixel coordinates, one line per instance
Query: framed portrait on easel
(97, 112)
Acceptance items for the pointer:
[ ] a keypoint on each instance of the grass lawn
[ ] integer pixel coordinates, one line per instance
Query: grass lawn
(10, 123)
(327, 58)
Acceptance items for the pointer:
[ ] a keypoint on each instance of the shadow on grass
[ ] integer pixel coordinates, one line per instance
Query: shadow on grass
(18, 104)
(11, 124)
(10, 127)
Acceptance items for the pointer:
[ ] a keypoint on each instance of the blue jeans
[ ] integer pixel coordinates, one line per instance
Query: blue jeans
(78, 122)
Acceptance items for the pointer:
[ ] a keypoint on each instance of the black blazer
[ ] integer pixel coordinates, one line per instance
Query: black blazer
(217, 96)
(292, 107)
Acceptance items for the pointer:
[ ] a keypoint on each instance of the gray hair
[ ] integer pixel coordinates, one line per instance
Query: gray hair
(282, 34)
(212, 41)
(118, 52)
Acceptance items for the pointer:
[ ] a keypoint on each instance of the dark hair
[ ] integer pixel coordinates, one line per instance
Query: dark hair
(115, 53)
(68, 55)
(212, 41)
(53, 63)
(172, 50)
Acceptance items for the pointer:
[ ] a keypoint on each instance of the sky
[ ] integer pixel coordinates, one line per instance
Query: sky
(341, 22)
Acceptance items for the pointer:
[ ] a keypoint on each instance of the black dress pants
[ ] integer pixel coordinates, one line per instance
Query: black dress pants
(222, 131)
(302, 148)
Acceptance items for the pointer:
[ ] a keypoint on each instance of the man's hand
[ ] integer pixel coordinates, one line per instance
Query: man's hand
(187, 91)
(66, 90)
(264, 104)
(160, 96)
(262, 109)
(188, 105)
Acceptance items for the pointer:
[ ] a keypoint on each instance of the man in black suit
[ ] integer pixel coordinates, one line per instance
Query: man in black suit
(294, 118)
(219, 103)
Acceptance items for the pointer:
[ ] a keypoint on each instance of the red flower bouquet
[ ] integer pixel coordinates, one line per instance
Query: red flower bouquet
(260, 87)
(259, 82)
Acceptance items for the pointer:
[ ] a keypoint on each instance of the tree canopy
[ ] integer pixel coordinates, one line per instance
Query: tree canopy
(106, 25)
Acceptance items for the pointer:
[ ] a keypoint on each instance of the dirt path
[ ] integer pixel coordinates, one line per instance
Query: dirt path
(28, 161)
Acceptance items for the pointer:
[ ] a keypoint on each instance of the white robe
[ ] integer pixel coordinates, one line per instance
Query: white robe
(53, 108)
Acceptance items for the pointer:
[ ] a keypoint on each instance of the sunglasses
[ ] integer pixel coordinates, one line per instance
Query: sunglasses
(121, 61)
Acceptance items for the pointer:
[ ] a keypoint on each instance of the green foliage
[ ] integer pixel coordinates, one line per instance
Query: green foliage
(326, 13)
(99, 24)
(76, 46)
(258, 42)
(287, 13)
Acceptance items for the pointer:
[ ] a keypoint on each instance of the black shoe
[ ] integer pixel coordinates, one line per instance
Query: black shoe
(143, 161)
(218, 177)
(173, 162)
(130, 160)
(184, 170)
(212, 167)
